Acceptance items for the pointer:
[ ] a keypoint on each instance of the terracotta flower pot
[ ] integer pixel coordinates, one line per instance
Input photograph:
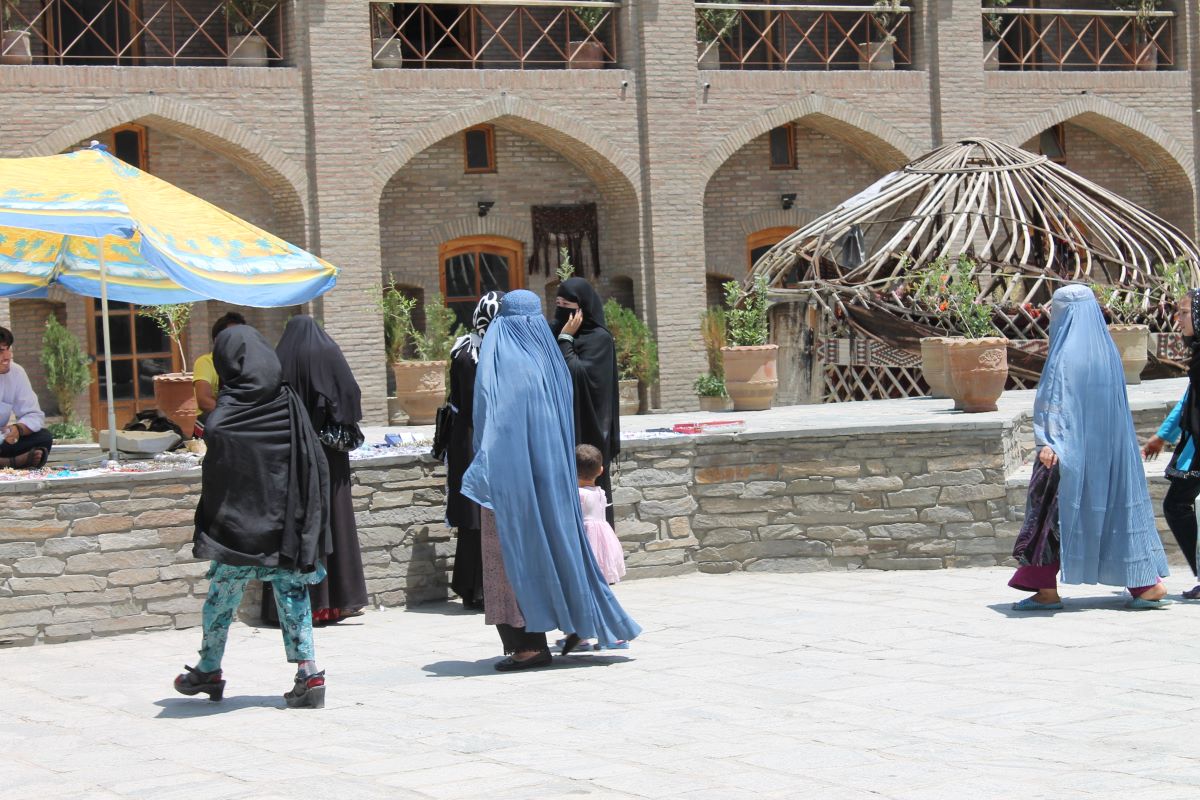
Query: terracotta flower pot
(1132, 341)
(714, 404)
(586, 54)
(386, 53)
(879, 55)
(933, 365)
(708, 57)
(630, 402)
(248, 51)
(750, 376)
(421, 389)
(15, 48)
(176, 400)
(978, 371)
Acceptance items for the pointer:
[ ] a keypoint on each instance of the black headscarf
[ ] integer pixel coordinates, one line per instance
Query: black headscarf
(265, 483)
(593, 364)
(1190, 421)
(313, 365)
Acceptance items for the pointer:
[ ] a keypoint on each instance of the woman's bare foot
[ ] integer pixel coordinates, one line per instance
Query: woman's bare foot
(1156, 592)
(1047, 596)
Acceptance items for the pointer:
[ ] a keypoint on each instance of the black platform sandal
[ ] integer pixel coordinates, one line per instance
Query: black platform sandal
(194, 682)
(510, 664)
(308, 692)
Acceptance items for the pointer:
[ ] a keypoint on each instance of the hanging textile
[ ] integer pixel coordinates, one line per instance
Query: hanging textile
(575, 228)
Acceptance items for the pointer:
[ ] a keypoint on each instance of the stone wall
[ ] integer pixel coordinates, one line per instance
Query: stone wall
(91, 557)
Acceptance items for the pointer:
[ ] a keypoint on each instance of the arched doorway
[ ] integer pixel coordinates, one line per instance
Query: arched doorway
(759, 242)
(472, 266)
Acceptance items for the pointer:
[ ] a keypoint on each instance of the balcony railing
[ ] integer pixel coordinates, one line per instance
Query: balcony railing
(132, 33)
(778, 36)
(1070, 39)
(494, 34)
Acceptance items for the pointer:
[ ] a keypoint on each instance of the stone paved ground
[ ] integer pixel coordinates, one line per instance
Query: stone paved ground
(832, 685)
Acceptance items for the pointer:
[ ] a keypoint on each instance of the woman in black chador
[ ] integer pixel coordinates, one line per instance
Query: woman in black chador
(461, 512)
(313, 365)
(591, 357)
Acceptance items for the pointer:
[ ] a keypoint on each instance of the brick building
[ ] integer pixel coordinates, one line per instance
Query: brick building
(371, 133)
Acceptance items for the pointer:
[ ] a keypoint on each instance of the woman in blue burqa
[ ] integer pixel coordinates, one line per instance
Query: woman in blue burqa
(1088, 512)
(539, 574)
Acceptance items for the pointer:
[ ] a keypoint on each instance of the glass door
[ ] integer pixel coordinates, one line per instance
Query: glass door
(139, 352)
(475, 265)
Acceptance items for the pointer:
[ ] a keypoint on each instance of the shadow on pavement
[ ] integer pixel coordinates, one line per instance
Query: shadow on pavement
(1108, 602)
(470, 669)
(184, 708)
(445, 608)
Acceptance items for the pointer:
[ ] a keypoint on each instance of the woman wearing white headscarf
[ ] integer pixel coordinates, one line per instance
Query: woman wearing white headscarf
(1088, 511)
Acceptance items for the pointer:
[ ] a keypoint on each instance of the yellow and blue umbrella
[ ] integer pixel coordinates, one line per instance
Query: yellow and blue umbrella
(64, 217)
(98, 227)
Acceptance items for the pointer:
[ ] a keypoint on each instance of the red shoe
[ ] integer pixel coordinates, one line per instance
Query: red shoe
(308, 692)
(194, 682)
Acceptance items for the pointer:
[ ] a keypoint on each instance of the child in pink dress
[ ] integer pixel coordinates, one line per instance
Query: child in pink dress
(605, 546)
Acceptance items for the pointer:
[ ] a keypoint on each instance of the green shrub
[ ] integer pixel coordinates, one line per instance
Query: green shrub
(68, 370)
(746, 320)
(69, 430)
(400, 335)
(171, 319)
(709, 386)
(637, 352)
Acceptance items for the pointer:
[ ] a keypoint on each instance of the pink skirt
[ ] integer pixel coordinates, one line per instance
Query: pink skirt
(606, 549)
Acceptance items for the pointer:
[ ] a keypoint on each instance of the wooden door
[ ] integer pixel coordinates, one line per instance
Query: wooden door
(475, 265)
(139, 352)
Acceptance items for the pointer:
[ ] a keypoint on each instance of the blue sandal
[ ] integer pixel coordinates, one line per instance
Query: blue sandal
(1029, 604)
(1142, 604)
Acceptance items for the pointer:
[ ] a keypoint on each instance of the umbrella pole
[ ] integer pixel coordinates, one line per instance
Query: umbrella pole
(112, 412)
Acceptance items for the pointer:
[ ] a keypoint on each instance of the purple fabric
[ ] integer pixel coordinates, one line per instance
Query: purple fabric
(1038, 543)
(1029, 578)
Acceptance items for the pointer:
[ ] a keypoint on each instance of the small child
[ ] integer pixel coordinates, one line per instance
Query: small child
(606, 548)
(602, 539)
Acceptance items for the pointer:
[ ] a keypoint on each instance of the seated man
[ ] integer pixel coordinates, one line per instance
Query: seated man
(25, 443)
(204, 374)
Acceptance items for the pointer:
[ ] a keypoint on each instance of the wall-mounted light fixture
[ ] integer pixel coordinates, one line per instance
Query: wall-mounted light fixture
(484, 207)
(786, 201)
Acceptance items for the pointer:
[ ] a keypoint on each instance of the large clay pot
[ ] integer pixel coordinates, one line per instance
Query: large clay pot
(176, 400)
(1132, 341)
(247, 51)
(421, 389)
(708, 57)
(991, 56)
(15, 49)
(630, 402)
(586, 55)
(879, 55)
(750, 376)
(396, 415)
(386, 53)
(978, 371)
(933, 366)
(715, 404)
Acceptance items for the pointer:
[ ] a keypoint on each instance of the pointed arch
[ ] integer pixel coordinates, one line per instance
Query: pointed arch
(881, 143)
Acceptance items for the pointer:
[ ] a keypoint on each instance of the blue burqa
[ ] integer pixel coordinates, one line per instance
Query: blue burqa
(524, 471)
(1105, 517)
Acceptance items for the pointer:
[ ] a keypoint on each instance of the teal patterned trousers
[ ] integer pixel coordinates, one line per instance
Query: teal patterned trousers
(226, 585)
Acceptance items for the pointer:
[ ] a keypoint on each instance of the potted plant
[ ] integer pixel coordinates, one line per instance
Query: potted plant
(421, 379)
(68, 374)
(15, 45)
(713, 25)
(637, 354)
(993, 27)
(977, 363)
(173, 392)
(934, 367)
(879, 52)
(749, 361)
(711, 391)
(247, 47)
(587, 52)
(1132, 341)
(386, 52)
(1145, 49)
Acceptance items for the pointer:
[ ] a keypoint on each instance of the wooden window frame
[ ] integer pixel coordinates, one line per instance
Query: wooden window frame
(143, 143)
(490, 132)
(791, 136)
(500, 245)
(765, 238)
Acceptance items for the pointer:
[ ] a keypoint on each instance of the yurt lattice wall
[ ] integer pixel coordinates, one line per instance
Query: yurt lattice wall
(1018, 224)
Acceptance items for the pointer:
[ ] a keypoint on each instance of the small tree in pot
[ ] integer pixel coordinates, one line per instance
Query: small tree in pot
(713, 25)
(15, 42)
(749, 361)
(586, 52)
(68, 374)
(419, 360)
(247, 46)
(1132, 340)
(878, 52)
(710, 387)
(637, 354)
(173, 392)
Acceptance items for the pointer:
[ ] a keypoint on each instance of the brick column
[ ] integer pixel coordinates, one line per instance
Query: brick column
(672, 190)
(954, 49)
(333, 50)
(1189, 44)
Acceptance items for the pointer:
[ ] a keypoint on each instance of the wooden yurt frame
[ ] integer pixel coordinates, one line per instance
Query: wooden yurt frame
(1025, 226)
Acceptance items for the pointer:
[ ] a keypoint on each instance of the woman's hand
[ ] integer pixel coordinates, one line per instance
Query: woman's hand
(1048, 457)
(574, 323)
(1153, 447)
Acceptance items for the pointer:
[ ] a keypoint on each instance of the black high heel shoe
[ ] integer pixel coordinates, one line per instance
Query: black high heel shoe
(194, 682)
(510, 664)
(308, 691)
